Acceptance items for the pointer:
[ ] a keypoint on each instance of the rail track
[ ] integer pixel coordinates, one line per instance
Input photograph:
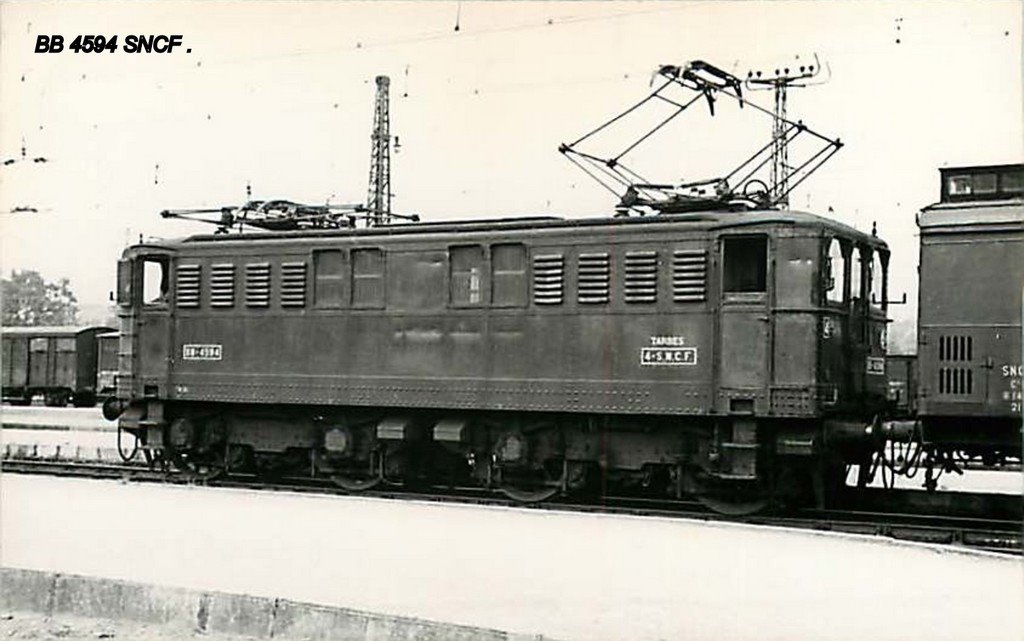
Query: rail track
(975, 521)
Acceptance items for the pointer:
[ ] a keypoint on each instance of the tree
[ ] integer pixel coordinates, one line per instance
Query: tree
(27, 299)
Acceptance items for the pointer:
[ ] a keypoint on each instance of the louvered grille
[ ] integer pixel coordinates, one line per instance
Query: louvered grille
(641, 284)
(548, 273)
(956, 348)
(689, 275)
(222, 285)
(257, 285)
(293, 284)
(956, 380)
(594, 272)
(187, 286)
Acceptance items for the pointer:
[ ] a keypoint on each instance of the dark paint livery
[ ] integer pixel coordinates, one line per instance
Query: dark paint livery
(721, 342)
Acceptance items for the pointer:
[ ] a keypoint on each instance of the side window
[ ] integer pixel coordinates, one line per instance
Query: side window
(508, 275)
(38, 344)
(329, 278)
(65, 344)
(154, 281)
(879, 267)
(1012, 182)
(466, 277)
(368, 278)
(124, 282)
(856, 265)
(745, 265)
(832, 272)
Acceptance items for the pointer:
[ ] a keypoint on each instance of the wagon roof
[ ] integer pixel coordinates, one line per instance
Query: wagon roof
(973, 214)
(51, 330)
(707, 220)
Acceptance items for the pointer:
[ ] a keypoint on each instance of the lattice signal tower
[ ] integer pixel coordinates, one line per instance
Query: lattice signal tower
(378, 201)
(780, 82)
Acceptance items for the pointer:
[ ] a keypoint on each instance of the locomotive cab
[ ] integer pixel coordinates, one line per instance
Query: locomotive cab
(145, 311)
(855, 301)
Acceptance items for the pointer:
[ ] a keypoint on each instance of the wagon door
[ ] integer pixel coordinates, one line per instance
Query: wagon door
(40, 362)
(65, 362)
(744, 324)
(15, 363)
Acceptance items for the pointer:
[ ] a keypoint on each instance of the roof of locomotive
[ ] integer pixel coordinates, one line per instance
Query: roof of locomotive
(705, 220)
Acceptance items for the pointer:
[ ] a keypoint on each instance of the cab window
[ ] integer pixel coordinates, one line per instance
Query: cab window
(154, 281)
(879, 274)
(745, 265)
(124, 282)
(856, 274)
(832, 274)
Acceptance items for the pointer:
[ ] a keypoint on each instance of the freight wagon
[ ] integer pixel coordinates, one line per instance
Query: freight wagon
(58, 363)
(969, 320)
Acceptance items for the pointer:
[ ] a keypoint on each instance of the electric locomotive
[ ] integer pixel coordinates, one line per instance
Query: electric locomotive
(736, 356)
(707, 340)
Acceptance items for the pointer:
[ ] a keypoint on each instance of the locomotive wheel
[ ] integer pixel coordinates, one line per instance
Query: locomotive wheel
(196, 471)
(534, 490)
(358, 482)
(729, 500)
(733, 507)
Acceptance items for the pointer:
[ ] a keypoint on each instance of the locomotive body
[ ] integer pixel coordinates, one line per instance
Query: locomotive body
(969, 323)
(712, 352)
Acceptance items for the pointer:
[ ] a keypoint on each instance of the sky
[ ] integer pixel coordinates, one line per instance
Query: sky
(280, 96)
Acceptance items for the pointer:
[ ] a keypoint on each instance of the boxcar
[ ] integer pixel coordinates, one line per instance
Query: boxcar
(716, 350)
(56, 362)
(969, 322)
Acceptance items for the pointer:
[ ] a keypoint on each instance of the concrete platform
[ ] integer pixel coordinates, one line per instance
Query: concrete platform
(563, 575)
(55, 418)
(189, 611)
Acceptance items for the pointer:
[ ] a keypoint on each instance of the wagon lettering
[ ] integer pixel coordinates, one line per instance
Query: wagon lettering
(201, 352)
(1013, 371)
(668, 356)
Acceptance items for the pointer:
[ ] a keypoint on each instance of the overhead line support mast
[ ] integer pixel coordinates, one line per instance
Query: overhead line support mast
(378, 201)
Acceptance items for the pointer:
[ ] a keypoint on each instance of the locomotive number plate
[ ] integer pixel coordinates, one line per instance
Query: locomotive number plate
(673, 356)
(197, 352)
